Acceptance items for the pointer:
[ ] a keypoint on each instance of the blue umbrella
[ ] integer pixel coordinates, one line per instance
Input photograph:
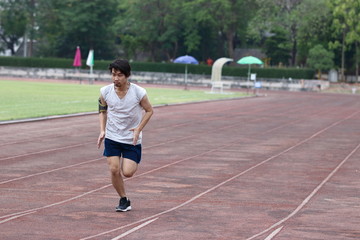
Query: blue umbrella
(186, 60)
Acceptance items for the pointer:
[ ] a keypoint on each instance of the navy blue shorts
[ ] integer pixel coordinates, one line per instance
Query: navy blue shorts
(124, 150)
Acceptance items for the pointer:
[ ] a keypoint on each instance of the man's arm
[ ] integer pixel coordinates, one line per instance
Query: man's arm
(102, 118)
(145, 103)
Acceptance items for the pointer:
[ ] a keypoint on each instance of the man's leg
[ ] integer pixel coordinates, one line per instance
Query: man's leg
(116, 178)
(128, 167)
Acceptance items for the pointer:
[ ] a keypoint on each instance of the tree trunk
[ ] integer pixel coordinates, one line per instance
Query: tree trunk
(230, 44)
(11, 45)
(12, 49)
(319, 74)
(342, 77)
(32, 27)
(294, 44)
(357, 61)
(293, 53)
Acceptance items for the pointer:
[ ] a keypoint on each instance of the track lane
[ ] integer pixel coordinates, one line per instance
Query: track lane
(204, 205)
(69, 134)
(84, 162)
(251, 126)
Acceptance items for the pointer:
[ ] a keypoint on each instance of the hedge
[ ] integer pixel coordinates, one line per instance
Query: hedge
(241, 71)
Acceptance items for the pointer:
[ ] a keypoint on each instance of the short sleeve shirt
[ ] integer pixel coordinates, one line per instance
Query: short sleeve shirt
(124, 113)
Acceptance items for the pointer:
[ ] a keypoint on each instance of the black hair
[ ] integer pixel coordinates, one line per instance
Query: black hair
(122, 65)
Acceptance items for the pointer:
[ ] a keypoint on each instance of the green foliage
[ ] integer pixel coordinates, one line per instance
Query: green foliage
(153, 26)
(161, 30)
(13, 20)
(280, 14)
(320, 58)
(230, 26)
(346, 18)
(277, 48)
(315, 27)
(306, 23)
(170, 28)
(63, 25)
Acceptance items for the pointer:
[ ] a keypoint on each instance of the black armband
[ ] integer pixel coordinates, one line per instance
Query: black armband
(102, 107)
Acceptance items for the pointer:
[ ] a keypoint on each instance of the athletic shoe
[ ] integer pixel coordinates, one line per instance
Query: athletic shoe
(124, 205)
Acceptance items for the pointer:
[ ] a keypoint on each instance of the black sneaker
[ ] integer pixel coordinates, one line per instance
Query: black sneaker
(124, 205)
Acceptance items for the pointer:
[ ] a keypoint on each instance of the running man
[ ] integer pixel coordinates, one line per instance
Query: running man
(122, 118)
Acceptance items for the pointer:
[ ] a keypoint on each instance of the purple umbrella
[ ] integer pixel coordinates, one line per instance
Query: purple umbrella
(77, 59)
(186, 60)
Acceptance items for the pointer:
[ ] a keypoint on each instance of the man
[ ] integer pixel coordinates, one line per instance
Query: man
(122, 118)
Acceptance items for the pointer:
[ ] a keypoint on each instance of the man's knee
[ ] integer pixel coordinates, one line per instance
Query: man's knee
(114, 170)
(129, 167)
(128, 174)
(114, 166)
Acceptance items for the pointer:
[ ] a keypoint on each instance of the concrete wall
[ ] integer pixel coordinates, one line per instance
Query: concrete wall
(163, 78)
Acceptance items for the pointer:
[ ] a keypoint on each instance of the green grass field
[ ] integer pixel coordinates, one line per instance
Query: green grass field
(24, 99)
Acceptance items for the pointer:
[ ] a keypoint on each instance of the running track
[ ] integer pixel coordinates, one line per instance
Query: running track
(282, 166)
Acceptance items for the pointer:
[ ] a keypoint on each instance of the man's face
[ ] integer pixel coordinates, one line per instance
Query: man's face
(118, 78)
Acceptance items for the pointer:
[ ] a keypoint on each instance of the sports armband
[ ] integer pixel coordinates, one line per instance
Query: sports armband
(102, 107)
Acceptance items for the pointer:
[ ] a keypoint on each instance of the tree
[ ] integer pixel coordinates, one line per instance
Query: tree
(346, 21)
(314, 27)
(277, 47)
(31, 25)
(278, 14)
(167, 28)
(153, 26)
(229, 18)
(50, 26)
(304, 21)
(320, 59)
(13, 20)
(70, 23)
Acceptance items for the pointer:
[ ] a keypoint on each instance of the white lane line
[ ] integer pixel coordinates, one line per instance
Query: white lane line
(134, 229)
(307, 199)
(274, 233)
(17, 216)
(74, 165)
(152, 146)
(184, 203)
(26, 140)
(55, 204)
(101, 188)
(194, 198)
(156, 145)
(52, 170)
(108, 185)
(45, 151)
(230, 179)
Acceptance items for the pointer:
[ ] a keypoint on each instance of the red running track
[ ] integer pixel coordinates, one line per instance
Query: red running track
(282, 166)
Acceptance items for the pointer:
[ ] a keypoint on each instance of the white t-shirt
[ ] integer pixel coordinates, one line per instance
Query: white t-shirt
(124, 113)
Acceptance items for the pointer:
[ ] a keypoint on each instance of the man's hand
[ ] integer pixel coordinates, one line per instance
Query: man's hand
(136, 135)
(100, 139)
